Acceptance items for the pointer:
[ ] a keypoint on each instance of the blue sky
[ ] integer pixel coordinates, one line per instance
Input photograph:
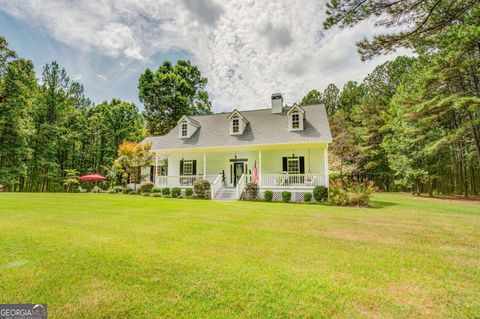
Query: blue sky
(247, 49)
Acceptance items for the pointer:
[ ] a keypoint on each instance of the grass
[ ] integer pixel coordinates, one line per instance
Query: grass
(117, 256)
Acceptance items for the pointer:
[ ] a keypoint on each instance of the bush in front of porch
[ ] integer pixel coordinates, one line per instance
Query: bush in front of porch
(201, 188)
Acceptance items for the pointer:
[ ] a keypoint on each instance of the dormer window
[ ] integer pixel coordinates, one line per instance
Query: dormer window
(184, 129)
(187, 127)
(296, 116)
(295, 120)
(235, 125)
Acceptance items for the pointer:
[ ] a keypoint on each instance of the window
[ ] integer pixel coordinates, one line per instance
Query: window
(187, 167)
(293, 165)
(184, 129)
(235, 125)
(295, 120)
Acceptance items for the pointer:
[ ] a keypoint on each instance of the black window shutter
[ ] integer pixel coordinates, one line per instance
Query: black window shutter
(181, 167)
(302, 165)
(152, 173)
(285, 169)
(194, 167)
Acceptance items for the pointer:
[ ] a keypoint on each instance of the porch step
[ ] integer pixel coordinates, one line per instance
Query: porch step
(226, 194)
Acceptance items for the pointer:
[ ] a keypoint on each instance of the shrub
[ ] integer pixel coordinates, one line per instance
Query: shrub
(176, 191)
(155, 194)
(286, 196)
(251, 191)
(201, 188)
(268, 195)
(188, 192)
(97, 189)
(156, 190)
(166, 191)
(307, 197)
(131, 191)
(146, 187)
(117, 190)
(81, 190)
(356, 193)
(146, 194)
(320, 193)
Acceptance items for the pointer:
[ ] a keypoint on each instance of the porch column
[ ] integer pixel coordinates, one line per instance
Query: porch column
(260, 168)
(325, 161)
(156, 170)
(204, 165)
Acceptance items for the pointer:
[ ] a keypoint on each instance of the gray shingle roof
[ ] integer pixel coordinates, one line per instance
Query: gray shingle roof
(263, 128)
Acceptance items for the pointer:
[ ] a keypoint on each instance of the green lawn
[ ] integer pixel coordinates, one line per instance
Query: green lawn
(117, 256)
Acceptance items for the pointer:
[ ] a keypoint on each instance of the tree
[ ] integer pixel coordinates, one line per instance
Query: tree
(132, 157)
(343, 151)
(109, 124)
(71, 179)
(351, 95)
(313, 97)
(55, 115)
(17, 88)
(367, 121)
(171, 92)
(417, 20)
(330, 98)
(5, 55)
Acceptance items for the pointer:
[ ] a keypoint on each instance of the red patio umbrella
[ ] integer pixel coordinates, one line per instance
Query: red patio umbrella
(92, 177)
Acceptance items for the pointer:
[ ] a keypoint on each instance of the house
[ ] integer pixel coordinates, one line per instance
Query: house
(288, 146)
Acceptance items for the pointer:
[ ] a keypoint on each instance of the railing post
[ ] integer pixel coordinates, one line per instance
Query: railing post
(204, 165)
(260, 169)
(156, 170)
(325, 158)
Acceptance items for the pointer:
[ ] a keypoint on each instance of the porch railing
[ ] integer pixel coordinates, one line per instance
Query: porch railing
(242, 182)
(216, 185)
(291, 180)
(182, 181)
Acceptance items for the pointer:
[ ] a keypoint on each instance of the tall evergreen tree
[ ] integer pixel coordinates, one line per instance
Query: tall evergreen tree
(17, 87)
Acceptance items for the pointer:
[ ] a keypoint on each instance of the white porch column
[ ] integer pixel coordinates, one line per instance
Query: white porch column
(260, 168)
(156, 170)
(325, 161)
(204, 165)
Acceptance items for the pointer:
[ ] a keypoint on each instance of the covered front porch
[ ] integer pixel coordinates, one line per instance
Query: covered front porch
(279, 167)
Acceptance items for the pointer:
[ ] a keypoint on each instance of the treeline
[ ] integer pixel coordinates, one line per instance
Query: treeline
(413, 123)
(48, 127)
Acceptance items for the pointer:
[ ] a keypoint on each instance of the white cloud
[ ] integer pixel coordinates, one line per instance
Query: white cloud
(101, 77)
(247, 49)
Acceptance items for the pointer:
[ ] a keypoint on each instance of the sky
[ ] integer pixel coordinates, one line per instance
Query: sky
(247, 49)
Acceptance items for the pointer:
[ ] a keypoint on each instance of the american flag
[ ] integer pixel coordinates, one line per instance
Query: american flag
(255, 173)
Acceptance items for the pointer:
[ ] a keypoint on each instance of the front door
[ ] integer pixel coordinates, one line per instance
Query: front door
(238, 170)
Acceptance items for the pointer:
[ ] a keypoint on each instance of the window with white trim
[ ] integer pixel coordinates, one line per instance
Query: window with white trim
(293, 165)
(187, 167)
(184, 129)
(235, 125)
(295, 120)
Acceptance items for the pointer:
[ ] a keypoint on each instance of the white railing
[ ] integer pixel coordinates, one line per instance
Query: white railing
(273, 181)
(182, 181)
(242, 182)
(216, 185)
(292, 180)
